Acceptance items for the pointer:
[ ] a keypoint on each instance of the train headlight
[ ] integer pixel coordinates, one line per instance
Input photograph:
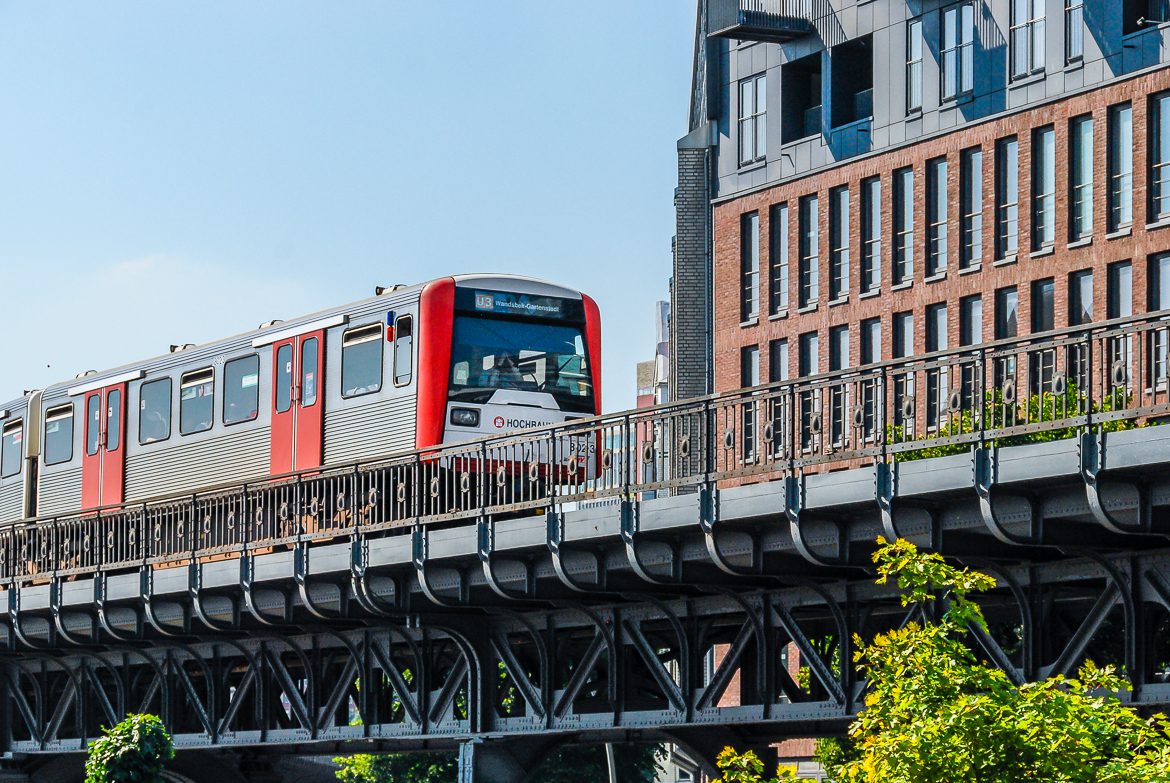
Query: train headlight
(465, 417)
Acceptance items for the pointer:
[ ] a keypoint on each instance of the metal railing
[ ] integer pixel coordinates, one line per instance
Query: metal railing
(1113, 375)
(785, 18)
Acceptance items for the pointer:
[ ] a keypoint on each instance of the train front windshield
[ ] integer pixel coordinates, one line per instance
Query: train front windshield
(490, 353)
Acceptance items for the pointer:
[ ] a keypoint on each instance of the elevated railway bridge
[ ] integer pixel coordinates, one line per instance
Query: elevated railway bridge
(643, 576)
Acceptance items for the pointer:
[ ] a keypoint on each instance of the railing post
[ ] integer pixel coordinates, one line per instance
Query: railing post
(984, 401)
(631, 456)
(1089, 376)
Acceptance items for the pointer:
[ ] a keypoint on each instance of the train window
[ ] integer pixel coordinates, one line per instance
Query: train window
(114, 420)
(58, 434)
(241, 389)
(283, 378)
(403, 350)
(154, 411)
(196, 401)
(361, 361)
(11, 447)
(309, 372)
(93, 423)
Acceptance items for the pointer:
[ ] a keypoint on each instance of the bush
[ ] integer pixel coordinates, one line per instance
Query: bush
(134, 751)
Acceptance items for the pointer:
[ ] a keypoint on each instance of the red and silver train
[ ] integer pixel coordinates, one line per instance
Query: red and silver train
(413, 367)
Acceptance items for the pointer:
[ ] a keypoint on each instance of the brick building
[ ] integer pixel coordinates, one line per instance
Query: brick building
(886, 178)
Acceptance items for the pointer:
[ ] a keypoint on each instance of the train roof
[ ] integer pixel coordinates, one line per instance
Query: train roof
(396, 296)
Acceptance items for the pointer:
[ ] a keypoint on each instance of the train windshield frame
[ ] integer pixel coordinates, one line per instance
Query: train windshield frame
(491, 352)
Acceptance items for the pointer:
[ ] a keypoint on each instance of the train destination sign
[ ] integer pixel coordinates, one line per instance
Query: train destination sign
(530, 306)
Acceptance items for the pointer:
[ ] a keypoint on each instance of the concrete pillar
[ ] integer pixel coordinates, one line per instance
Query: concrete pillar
(492, 761)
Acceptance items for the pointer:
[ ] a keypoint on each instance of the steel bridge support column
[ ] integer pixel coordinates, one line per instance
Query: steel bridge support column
(499, 760)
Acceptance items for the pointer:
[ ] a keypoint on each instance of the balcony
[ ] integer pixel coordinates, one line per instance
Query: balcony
(776, 21)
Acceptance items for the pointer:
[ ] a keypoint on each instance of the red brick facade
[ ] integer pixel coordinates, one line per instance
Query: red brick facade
(1135, 244)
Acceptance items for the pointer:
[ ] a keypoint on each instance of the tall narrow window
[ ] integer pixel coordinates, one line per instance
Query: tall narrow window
(936, 216)
(809, 354)
(749, 376)
(1007, 197)
(809, 401)
(903, 270)
(1027, 37)
(1160, 157)
(914, 65)
(1080, 297)
(936, 378)
(753, 118)
(778, 266)
(871, 234)
(871, 353)
(810, 266)
(1007, 313)
(777, 360)
(1043, 187)
(838, 243)
(1043, 305)
(1119, 302)
(1081, 178)
(958, 44)
(749, 242)
(871, 341)
(1158, 290)
(970, 207)
(1074, 30)
(1120, 139)
(971, 320)
(838, 396)
(901, 347)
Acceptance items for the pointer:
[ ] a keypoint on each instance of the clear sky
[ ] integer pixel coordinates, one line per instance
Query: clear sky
(176, 172)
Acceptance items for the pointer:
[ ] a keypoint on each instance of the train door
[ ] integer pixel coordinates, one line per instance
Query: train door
(298, 406)
(103, 463)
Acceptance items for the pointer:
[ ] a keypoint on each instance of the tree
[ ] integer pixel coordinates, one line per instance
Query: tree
(935, 713)
(134, 751)
(747, 768)
(571, 764)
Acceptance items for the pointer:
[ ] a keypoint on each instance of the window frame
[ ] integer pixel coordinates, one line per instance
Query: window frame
(18, 425)
(1158, 157)
(408, 318)
(757, 119)
(1074, 25)
(809, 251)
(1076, 301)
(971, 207)
(902, 253)
(937, 215)
(963, 51)
(779, 255)
(1007, 212)
(1043, 187)
(914, 66)
(184, 378)
(1033, 28)
(749, 266)
(1080, 193)
(53, 414)
(1120, 183)
(839, 212)
(870, 230)
(375, 329)
(223, 405)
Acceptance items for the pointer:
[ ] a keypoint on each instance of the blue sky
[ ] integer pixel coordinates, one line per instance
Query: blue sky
(177, 172)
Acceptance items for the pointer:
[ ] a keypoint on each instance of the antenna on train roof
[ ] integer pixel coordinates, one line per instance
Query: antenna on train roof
(384, 289)
(182, 347)
(273, 322)
(85, 374)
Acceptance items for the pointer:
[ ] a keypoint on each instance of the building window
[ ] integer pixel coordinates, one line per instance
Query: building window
(1043, 187)
(1081, 178)
(871, 341)
(871, 353)
(809, 354)
(1007, 312)
(851, 81)
(903, 337)
(936, 378)
(838, 348)
(749, 376)
(838, 393)
(871, 234)
(838, 243)
(914, 65)
(1120, 139)
(1158, 286)
(1027, 37)
(1074, 30)
(1119, 302)
(971, 320)
(778, 261)
(777, 361)
(1160, 157)
(971, 207)
(936, 216)
(1007, 197)
(1080, 297)
(753, 119)
(1043, 305)
(749, 241)
(903, 225)
(809, 251)
(958, 45)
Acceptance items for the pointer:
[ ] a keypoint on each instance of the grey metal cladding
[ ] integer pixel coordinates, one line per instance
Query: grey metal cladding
(373, 429)
(60, 491)
(10, 502)
(236, 456)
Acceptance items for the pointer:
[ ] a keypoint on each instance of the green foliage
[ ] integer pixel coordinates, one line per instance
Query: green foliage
(134, 751)
(995, 413)
(572, 764)
(747, 768)
(934, 713)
